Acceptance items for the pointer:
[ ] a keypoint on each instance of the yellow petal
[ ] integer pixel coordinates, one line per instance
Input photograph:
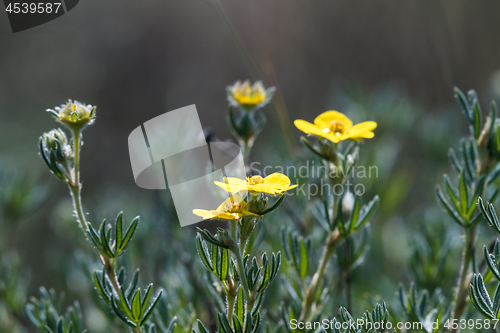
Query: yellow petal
(277, 179)
(362, 130)
(362, 127)
(264, 188)
(308, 128)
(334, 137)
(232, 185)
(324, 119)
(227, 216)
(201, 212)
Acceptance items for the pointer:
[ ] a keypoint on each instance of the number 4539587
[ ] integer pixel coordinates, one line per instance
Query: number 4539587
(471, 324)
(32, 8)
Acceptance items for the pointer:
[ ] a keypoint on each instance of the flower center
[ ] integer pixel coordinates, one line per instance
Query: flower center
(254, 180)
(234, 208)
(336, 127)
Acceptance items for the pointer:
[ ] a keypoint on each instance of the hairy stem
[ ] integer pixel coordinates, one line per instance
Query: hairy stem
(348, 278)
(76, 189)
(332, 242)
(241, 273)
(464, 277)
(230, 307)
(246, 146)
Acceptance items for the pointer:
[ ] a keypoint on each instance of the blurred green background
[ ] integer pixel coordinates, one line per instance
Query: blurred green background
(390, 61)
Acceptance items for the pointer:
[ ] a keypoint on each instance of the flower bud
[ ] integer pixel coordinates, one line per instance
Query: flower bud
(57, 153)
(246, 226)
(226, 239)
(74, 115)
(248, 97)
(348, 203)
(258, 204)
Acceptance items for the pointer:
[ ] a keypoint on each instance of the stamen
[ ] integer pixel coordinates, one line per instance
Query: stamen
(336, 126)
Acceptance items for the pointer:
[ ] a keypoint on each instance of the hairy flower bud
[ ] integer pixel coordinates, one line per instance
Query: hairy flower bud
(57, 153)
(226, 239)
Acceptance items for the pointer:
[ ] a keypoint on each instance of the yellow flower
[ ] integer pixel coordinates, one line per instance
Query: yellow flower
(247, 96)
(336, 127)
(75, 115)
(233, 208)
(275, 183)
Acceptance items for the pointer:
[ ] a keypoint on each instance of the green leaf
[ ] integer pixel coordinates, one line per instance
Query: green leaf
(240, 304)
(210, 239)
(201, 327)
(479, 296)
(493, 174)
(276, 205)
(172, 325)
(203, 252)
(125, 303)
(451, 191)
(462, 101)
(489, 214)
(257, 304)
(498, 137)
(105, 240)
(248, 323)
(120, 314)
(454, 160)
(266, 274)
(355, 213)
(42, 153)
(237, 324)
(224, 324)
(224, 264)
(136, 305)
(121, 276)
(446, 205)
(129, 234)
(149, 311)
(59, 328)
(312, 149)
(367, 213)
(118, 231)
(477, 117)
(256, 323)
(496, 302)
(146, 298)
(303, 259)
(491, 264)
(100, 287)
(94, 238)
(133, 284)
(463, 194)
(479, 189)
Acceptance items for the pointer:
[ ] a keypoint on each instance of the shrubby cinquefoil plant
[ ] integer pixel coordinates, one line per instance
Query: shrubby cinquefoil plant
(270, 259)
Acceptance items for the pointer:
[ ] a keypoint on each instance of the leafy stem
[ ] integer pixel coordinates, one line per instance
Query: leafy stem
(464, 278)
(332, 241)
(241, 272)
(75, 188)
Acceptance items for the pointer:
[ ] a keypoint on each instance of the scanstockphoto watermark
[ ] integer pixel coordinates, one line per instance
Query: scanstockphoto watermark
(388, 326)
(330, 324)
(321, 176)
